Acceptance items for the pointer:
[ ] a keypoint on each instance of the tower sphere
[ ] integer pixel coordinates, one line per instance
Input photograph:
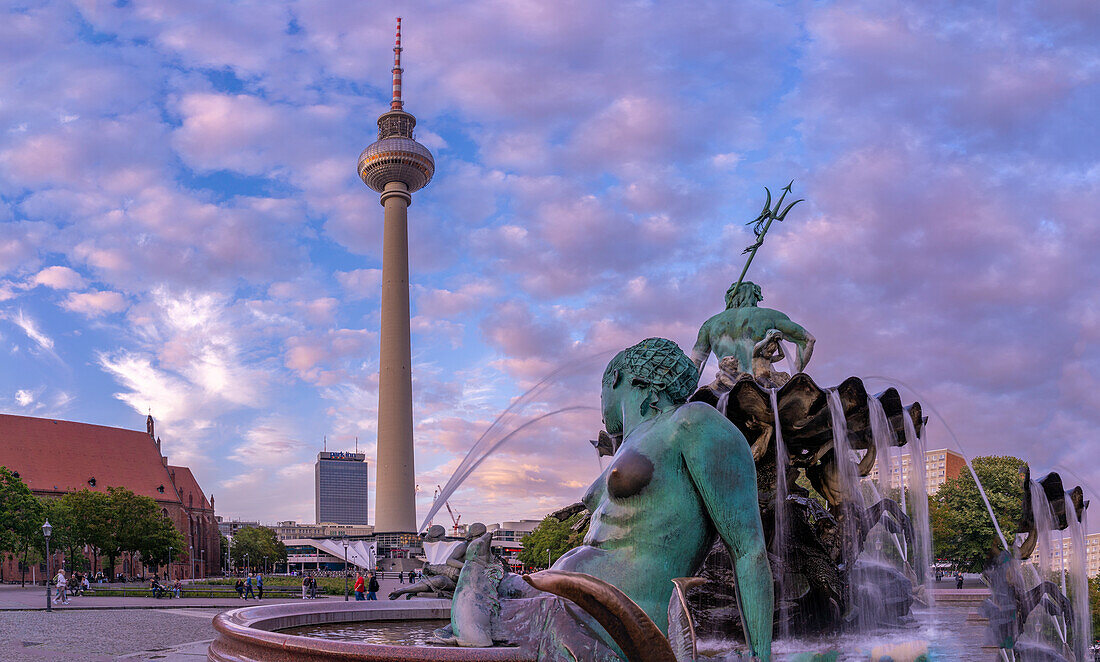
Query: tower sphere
(396, 159)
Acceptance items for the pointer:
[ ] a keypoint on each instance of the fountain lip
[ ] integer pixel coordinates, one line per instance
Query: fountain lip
(248, 634)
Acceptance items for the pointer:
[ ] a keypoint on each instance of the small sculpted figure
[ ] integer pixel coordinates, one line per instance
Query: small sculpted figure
(682, 475)
(751, 334)
(441, 575)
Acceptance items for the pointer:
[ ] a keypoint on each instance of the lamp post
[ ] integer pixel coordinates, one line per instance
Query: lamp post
(345, 541)
(46, 531)
(202, 561)
(191, 560)
(547, 558)
(246, 563)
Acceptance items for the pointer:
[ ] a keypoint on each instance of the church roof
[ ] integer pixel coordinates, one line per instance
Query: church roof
(186, 486)
(63, 456)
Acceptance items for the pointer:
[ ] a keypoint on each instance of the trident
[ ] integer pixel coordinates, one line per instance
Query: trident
(761, 224)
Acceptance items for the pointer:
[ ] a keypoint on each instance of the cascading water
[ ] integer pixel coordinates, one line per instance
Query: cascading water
(1079, 581)
(1044, 524)
(780, 537)
(848, 474)
(970, 467)
(883, 435)
(918, 508)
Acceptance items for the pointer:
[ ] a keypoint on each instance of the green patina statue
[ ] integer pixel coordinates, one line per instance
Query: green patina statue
(682, 475)
(745, 337)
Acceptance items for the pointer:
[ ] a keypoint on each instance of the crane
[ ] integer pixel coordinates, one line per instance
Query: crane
(454, 518)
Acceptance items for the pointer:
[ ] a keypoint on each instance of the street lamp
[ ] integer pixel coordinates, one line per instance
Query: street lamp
(265, 565)
(191, 561)
(343, 539)
(202, 561)
(246, 563)
(46, 531)
(168, 573)
(547, 558)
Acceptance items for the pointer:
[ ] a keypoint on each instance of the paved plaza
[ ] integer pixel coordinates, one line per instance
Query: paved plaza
(113, 628)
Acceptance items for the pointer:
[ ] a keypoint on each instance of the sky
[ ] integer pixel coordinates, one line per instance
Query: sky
(184, 232)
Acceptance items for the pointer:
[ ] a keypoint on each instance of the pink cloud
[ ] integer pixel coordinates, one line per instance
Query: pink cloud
(95, 303)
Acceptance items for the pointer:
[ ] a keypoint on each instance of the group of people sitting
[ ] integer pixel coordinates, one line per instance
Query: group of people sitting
(244, 587)
(162, 590)
(79, 584)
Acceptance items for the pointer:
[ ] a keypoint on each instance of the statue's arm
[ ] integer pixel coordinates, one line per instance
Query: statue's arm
(701, 351)
(720, 464)
(801, 338)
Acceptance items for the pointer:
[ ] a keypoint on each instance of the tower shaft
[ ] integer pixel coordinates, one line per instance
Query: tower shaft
(395, 500)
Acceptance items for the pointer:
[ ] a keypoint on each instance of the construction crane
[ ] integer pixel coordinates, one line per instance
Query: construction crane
(454, 518)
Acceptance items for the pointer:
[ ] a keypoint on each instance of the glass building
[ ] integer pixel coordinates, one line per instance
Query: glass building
(341, 488)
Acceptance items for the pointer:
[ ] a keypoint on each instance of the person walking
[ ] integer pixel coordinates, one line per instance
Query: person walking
(959, 580)
(411, 575)
(248, 587)
(305, 586)
(400, 577)
(61, 583)
(360, 586)
(372, 587)
(260, 586)
(312, 587)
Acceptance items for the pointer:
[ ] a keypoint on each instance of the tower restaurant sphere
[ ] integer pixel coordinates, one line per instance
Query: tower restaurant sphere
(396, 157)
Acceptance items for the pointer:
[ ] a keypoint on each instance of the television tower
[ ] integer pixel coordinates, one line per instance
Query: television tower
(395, 166)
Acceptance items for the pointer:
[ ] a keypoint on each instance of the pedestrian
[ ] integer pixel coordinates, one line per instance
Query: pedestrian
(360, 586)
(400, 577)
(248, 587)
(260, 586)
(240, 588)
(958, 580)
(312, 588)
(177, 587)
(372, 587)
(411, 576)
(305, 586)
(61, 583)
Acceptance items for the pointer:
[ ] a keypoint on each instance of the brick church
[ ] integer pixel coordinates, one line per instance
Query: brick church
(56, 457)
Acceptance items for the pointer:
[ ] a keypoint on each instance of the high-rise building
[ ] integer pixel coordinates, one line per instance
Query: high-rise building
(939, 466)
(1063, 547)
(395, 166)
(341, 488)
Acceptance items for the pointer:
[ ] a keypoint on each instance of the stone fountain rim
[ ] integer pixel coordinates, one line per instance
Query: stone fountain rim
(248, 634)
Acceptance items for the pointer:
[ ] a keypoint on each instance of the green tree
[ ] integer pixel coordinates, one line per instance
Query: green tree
(257, 542)
(551, 534)
(21, 518)
(962, 531)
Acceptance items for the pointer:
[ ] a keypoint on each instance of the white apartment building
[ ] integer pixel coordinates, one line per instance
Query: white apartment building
(939, 466)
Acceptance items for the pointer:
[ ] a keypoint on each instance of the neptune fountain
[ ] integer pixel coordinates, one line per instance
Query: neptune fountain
(738, 510)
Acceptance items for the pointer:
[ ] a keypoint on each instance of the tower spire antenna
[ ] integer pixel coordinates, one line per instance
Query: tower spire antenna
(397, 103)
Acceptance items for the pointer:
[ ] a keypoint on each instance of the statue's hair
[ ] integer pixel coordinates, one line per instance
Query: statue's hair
(657, 363)
(746, 295)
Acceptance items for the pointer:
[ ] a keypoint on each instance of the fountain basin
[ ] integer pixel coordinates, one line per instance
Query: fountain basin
(250, 634)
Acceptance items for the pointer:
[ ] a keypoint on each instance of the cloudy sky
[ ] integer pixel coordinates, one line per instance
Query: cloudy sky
(184, 231)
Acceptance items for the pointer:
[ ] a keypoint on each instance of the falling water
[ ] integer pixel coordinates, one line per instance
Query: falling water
(852, 505)
(1044, 524)
(981, 490)
(780, 514)
(883, 434)
(1082, 620)
(918, 489)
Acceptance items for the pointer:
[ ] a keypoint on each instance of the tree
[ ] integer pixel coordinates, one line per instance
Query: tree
(962, 531)
(257, 542)
(551, 534)
(21, 518)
